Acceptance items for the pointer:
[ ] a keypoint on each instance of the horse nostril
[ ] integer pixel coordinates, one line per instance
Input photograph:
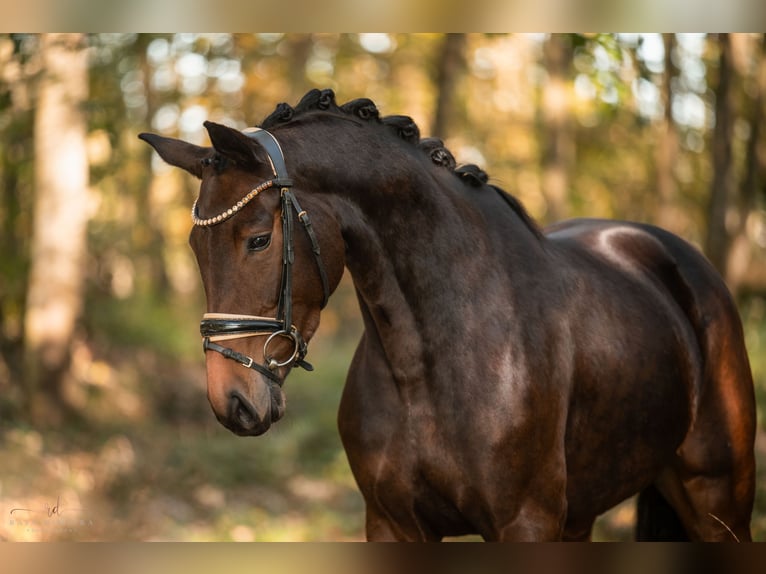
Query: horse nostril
(242, 412)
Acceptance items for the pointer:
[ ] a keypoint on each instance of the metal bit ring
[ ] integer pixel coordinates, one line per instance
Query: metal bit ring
(271, 363)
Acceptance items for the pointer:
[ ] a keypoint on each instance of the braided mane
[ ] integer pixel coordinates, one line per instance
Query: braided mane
(403, 127)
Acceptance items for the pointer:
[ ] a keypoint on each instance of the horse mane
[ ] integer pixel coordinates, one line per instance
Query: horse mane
(403, 127)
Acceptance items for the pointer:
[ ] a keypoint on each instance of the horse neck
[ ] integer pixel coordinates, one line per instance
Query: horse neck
(420, 249)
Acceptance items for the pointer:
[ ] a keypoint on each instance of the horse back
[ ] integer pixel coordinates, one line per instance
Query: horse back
(655, 256)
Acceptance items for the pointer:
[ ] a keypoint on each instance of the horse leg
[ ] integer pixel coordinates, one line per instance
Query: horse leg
(541, 513)
(371, 426)
(581, 533)
(711, 485)
(708, 507)
(711, 482)
(684, 506)
(532, 525)
(379, 528)
(382, 528)
(656, 520)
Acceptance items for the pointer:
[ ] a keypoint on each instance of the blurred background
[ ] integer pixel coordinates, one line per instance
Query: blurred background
(105, 430)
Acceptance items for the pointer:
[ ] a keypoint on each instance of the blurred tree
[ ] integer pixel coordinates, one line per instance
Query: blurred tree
(298, 48)
(736, 161)
(666, 151)
(450, 66)
(54, 293)
(17, 71)
(742, 267)
(717, 241)
(755, 164)
(148, 234)
(558, 146)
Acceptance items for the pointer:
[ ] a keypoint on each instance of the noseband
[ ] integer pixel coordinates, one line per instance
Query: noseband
(224, 326)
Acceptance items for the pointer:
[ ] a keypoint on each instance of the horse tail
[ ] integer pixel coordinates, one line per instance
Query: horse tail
(656, 520)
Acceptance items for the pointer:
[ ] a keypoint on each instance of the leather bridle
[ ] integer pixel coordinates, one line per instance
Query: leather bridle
(224, 326)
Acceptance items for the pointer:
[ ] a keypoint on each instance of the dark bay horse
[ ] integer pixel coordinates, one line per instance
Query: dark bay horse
(510, 382)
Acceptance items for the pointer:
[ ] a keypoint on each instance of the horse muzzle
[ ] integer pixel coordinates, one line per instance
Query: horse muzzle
(242, 417)
(244, 402)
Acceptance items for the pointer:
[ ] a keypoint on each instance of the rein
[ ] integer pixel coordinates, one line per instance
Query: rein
(216, 327)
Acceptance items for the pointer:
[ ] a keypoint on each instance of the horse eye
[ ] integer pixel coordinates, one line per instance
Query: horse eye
(259, 242)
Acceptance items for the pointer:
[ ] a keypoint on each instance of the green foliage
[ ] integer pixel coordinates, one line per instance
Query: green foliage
(145, 321)
(754, 318)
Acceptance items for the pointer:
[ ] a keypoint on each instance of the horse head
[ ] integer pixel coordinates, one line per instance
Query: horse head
(264, 277)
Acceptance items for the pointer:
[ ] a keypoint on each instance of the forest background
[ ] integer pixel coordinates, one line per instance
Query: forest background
(105, 431)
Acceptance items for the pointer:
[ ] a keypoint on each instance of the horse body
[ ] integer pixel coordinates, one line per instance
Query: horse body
(557, 376)
(508, 382)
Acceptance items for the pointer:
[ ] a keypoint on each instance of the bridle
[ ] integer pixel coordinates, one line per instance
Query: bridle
(224, 326)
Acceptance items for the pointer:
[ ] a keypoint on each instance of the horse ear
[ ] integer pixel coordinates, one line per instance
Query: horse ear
(235, 145)
(178, 153)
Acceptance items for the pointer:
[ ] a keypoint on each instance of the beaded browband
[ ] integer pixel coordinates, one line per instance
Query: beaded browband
(223, 216)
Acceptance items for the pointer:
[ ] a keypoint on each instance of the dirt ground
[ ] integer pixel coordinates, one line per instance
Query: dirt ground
(195, 484)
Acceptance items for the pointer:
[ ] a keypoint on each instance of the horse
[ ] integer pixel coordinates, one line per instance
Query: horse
(511, 382)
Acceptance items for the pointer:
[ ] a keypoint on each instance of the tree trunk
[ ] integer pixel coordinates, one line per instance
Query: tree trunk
(666, 152)
(150, 241)
(557, 139)
(753, 163)
(450, 66)
(740, 256)
(717, 243)
(299, 48)
(54, 293)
